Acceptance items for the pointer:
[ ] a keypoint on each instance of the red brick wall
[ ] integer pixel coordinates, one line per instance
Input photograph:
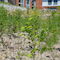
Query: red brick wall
(24, 3)
(50, 7)
(17, 2)
(30, 3)
(39, 4)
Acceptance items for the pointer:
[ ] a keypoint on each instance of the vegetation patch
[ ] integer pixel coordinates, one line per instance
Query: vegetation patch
(42, 32)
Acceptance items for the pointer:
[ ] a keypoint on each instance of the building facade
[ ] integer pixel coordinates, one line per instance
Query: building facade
(40, 4)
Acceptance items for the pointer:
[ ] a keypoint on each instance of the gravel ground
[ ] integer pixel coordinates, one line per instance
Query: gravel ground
(12, 7)
(17, 45)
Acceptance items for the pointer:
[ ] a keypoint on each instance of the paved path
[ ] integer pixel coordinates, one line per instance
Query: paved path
(12, 7)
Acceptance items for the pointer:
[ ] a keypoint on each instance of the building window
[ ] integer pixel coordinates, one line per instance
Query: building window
(49, 2)
(21, 3)
(55, 2)
(33, 4)
(28, 3)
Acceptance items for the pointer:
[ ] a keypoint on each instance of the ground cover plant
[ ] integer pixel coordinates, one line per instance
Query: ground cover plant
(40, 27)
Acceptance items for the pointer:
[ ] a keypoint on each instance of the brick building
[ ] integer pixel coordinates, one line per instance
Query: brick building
(40, 4)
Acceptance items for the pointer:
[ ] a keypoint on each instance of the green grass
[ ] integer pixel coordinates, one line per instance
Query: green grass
(40, 30)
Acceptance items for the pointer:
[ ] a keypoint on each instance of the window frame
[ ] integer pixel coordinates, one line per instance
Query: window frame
(50, 2)
(27, 5)
(21, 3)
(55, 2)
